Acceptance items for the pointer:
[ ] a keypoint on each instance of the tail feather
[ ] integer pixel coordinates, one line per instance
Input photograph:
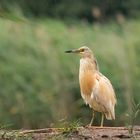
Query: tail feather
(110, 115)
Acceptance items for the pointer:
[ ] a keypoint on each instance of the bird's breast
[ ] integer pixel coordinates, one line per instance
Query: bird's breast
(87, 82)
(86, 76)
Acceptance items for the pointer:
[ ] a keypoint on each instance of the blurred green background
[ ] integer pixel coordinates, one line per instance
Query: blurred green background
(39, 84)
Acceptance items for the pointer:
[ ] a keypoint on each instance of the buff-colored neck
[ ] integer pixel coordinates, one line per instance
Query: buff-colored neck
(89, 63)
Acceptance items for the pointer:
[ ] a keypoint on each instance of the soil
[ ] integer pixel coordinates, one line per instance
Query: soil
(84, 133)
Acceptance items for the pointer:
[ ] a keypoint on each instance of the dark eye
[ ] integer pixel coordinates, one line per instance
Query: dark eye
(82, 50)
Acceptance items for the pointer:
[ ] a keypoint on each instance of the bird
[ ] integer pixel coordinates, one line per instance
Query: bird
(96, 89)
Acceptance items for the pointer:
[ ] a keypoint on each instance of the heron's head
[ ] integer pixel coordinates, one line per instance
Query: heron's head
(83, 51)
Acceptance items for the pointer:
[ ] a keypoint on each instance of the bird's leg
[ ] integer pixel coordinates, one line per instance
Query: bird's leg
(92, 119)
(102, 120)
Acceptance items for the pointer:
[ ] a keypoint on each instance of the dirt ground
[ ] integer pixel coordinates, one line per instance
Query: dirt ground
(81, 133)
(78, 133)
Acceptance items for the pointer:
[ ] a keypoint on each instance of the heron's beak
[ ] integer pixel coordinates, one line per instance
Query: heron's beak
(73, 51)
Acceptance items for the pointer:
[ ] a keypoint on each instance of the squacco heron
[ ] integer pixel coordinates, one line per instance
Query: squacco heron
(96, 89)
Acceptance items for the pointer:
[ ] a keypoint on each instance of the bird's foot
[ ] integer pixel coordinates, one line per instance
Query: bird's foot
(88, 125)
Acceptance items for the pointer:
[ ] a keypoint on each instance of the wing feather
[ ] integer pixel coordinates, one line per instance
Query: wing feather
(103, 96)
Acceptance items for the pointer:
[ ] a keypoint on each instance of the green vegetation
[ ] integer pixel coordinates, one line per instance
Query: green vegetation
(90, 10)
(67, 128)
(132, 115)
(39, 82)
